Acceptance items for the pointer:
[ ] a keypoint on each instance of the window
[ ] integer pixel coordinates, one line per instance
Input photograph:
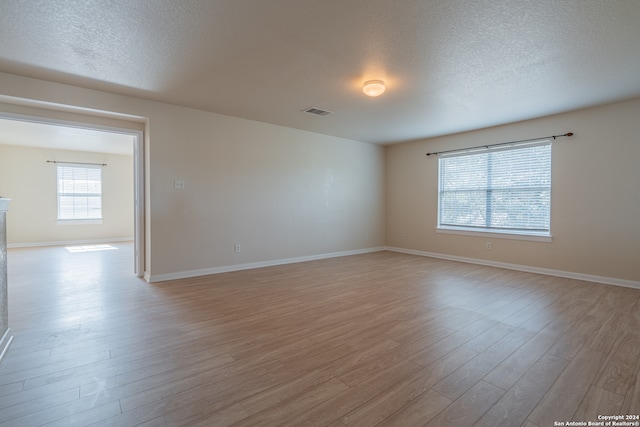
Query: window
(79, 193)
(500, 190)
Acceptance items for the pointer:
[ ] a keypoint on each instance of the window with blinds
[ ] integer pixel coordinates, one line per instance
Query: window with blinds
(503, 190)
(79, 192)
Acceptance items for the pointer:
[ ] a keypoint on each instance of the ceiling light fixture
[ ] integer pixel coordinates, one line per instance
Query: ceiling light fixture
(373, 87)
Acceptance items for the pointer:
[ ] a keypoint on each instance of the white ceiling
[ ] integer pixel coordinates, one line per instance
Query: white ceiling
(449, 65)
(30, 134)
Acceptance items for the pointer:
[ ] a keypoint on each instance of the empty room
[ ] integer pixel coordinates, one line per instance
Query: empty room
(320, 213)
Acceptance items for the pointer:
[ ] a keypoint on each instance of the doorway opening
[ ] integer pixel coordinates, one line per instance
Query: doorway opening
(95, 135)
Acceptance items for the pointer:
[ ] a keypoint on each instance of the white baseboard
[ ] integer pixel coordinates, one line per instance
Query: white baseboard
(526, 268)
(70, 242)
(251, 265)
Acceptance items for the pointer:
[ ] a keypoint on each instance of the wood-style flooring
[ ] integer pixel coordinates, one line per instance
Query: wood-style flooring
(381, 339)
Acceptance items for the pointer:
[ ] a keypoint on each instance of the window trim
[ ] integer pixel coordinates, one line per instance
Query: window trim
(496, 235)
(529, 235)
(79, 221)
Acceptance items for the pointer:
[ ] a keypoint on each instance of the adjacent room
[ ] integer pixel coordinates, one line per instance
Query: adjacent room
(320, 213)
(48, 167)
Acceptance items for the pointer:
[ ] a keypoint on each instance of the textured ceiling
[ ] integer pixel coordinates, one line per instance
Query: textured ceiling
(449, 65)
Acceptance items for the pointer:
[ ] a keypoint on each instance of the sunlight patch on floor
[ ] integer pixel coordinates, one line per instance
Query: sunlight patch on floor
(90, 248)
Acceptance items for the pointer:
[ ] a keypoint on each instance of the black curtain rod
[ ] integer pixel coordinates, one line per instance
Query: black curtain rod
(78, 163)
(501, 143)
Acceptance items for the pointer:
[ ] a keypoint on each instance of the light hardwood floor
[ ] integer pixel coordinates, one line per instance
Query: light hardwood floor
(378, 339)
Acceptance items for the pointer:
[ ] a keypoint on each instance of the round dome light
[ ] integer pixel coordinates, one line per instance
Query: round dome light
(373, 88)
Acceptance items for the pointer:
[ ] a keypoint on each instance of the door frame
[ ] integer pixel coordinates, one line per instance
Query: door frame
(138, 169)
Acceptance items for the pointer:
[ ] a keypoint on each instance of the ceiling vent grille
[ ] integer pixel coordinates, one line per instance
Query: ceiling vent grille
(316, 111)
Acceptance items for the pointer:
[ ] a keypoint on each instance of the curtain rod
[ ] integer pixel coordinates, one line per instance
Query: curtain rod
(78, 163)
(500, 143)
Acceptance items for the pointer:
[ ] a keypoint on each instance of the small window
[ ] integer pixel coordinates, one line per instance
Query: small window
(501, 190)
(79, 193)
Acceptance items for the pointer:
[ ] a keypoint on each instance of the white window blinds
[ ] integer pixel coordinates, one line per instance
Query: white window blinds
(79, 192)
(505, 189)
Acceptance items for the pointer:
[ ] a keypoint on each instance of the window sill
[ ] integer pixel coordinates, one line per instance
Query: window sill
(78, 221)
(496, 235)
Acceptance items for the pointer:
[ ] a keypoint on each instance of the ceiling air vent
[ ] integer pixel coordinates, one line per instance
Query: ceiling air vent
(316, 111)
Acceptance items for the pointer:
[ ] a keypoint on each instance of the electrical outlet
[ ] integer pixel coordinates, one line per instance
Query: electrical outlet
(178, 184)
(236, 248)
(487, 246)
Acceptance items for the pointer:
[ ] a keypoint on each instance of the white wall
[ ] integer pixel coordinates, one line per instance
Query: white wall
(595, 212)
(285, 193)
(27, 178)
(279, 192)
